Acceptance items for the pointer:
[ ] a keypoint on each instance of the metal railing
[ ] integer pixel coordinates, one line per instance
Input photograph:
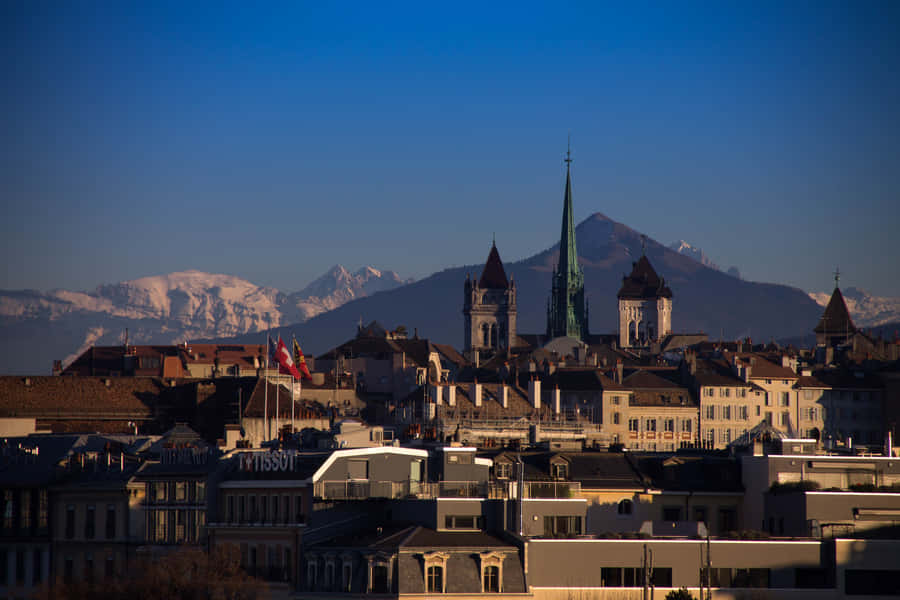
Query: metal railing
(364, 489)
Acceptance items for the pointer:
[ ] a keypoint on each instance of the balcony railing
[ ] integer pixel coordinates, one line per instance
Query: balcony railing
(364, 489)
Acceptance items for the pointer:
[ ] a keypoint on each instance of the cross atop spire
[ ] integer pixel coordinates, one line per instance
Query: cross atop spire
(837, 277)
(568, 159)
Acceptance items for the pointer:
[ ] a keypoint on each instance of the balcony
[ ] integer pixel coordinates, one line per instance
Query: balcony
(362, 489)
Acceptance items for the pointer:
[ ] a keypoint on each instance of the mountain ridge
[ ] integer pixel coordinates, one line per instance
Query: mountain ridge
(705, 299)
(166, 308)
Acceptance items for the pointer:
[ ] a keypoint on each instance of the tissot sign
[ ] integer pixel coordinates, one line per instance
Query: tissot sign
(266, 462)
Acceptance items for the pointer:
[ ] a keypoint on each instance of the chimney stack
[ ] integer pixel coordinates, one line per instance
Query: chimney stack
(475, 393)
(504, 395)
(557, 400)
(619, 371)
(451, 395)
(534, 392)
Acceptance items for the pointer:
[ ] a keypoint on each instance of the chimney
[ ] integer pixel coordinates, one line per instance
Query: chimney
(475, 393)
(504, 395)
(451, 395)
(557, 399)
(747, 371)
(534, 392)
(619, 370)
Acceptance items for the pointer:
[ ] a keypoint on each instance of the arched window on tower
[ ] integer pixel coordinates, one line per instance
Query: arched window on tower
(485, 335)
(493, 336)
(632, 333)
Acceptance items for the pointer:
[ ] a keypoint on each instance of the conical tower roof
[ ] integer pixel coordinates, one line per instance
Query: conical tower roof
(643, 282)
(493, 276)
(836, 317)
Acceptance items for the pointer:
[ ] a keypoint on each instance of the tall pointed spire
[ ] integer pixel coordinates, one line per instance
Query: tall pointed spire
(566, 315)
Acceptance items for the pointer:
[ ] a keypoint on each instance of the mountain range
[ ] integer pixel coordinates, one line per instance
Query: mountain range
(705, 299)
(39, 327)
(865, 309)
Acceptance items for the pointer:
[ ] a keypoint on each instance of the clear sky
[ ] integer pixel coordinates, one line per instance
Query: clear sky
(271, 141)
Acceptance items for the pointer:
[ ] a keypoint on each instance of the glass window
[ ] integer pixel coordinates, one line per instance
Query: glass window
(42, 510)
(669, 424)
(625, 507)
(110, 521)
(710, 412)
(651, 425)
(181, 491)
(785, 398)
(70, 521)
(633, 425)
(492, 579)
(435, 579)
(90, 520)
(686, 425)
(25, 510)
(36, 571)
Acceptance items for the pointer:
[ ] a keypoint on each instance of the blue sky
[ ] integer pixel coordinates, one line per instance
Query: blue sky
(271, 142)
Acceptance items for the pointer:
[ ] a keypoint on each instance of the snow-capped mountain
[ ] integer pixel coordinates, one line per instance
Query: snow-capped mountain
(164, 309)
(338, 286)
(865, 309)
(686, 249)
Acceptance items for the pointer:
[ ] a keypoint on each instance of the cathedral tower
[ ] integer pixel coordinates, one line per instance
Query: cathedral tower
(645, 306)
(566, 314)
(489, 308)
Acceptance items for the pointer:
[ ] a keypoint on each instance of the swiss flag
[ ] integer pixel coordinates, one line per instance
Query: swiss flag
(286, 364)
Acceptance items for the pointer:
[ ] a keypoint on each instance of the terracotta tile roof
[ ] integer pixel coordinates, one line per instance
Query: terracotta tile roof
(493, 276)
(245, 355)
(643, 282)
(649, 389)
(717, 373)
(836, 318)
(81, 397)
(761, 368)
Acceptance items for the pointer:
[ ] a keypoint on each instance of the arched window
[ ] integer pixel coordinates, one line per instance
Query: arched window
(485, 335)
(493, 336)
(625, 507)
(632, 332)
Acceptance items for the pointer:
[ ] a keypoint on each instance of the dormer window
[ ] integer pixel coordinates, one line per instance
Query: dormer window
(503, 470)
(559, 471)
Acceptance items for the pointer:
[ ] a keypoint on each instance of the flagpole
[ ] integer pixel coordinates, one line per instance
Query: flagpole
(266, 401)
(293, 346)
(277, 385)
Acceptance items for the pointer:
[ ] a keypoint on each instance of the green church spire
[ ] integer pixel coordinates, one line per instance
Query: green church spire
(566, 315)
